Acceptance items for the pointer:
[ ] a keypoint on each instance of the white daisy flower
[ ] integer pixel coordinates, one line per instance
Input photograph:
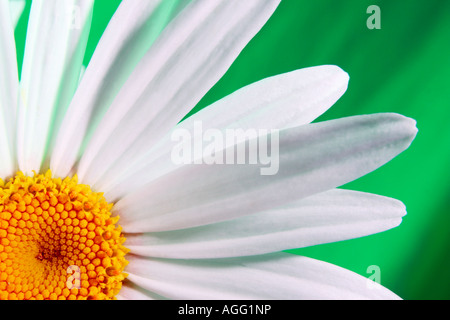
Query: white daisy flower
(92, 205)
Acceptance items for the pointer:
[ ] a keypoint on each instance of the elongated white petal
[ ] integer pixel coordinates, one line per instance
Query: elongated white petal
(9, 83)
(56, 40)
(278, 102)
(331, 216)
(16, 9)
(191, 55)
(130, 33)
(311, 159)
(275, 276)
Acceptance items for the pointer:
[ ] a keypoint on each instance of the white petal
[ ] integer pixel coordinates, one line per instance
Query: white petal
(16, 9)
(132, 30)
(278, 102)
(9, 83)
(311, 159)
(56, 39)
(131, 291)
(282, 101)
(191, 55)
(275, 276)
(331, 216)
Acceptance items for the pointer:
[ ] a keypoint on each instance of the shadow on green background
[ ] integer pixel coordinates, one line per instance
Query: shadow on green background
(403, 68)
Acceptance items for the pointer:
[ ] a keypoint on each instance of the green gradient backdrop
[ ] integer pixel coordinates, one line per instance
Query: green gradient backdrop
(402, 68)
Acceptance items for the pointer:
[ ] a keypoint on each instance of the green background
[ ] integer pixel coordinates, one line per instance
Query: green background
(404, 68)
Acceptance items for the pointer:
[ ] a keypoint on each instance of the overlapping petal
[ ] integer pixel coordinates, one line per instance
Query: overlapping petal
(54, 50)
(311, 159)
(9, 84)
(129, 35)
(190, 56)
(323, 218)
(278, 102)
(274, 276)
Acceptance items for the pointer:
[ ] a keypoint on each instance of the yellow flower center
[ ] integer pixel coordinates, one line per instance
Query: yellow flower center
(58, 240)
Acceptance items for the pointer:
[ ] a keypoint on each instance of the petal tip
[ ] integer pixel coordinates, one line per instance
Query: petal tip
(339, 77)
(337, 72)
(401, 209)
(404, 127)
(409, 127)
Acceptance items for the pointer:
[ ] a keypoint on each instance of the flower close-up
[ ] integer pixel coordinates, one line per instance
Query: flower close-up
(94, 203)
